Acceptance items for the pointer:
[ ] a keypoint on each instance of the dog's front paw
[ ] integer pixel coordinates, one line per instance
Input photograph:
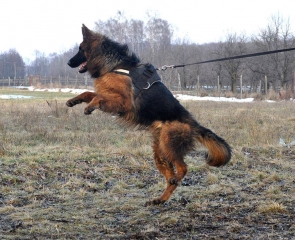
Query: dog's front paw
(72, 102)
(88, 110)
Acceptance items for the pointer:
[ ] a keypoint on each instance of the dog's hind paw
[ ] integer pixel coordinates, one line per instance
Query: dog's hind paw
(173, 181)
(156, 201)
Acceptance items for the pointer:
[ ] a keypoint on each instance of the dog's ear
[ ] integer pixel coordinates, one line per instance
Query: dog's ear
(86, 32)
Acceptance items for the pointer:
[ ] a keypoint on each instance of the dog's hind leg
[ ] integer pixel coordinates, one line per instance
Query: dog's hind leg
(167, 169)
(83, 97)
(174, 141)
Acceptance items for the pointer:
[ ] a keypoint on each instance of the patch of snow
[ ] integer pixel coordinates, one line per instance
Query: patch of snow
(14, 96)
(182, 97)
(216, 99)
(64, 90)
(284, 144)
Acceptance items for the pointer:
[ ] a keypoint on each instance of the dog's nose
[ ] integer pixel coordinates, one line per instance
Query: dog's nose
(69, 63)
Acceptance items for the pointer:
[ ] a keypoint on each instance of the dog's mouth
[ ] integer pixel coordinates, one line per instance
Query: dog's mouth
(83, 67)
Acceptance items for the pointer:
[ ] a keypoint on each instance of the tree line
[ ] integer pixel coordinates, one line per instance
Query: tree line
(153, 41)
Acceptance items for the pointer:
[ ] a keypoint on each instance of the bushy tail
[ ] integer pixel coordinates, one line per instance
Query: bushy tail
(219, 152)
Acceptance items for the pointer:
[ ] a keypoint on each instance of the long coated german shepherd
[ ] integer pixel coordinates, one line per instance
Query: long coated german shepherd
(133, 91)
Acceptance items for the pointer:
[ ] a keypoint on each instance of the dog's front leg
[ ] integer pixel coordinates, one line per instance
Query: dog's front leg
(99, 102)
(110, 103)
(94, 104)
(83, 97)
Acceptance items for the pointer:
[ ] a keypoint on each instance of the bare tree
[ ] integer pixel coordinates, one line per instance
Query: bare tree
(233, 45)
(136, 36)
(11, 65)
(184, 52)
(158, 34)
(277, 35)
(115, 28)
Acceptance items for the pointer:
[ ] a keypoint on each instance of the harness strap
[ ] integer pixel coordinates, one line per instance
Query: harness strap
(143, 77)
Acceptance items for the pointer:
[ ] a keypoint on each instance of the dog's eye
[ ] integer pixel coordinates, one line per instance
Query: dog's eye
(81, 50)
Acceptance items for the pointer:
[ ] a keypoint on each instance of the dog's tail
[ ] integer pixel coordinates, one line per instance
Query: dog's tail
(219, 152)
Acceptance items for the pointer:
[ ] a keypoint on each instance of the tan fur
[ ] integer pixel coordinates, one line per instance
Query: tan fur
(172, 140)
(173, 128)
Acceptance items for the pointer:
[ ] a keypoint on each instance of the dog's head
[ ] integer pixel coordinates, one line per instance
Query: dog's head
(98, 54)
(80, 59)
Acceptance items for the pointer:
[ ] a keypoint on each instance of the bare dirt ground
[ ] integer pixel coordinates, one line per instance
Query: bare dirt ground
(64, 175)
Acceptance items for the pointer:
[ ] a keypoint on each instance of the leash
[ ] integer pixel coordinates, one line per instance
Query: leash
(163, 68)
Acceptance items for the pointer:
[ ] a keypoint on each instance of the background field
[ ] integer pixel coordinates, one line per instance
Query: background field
(64, 175)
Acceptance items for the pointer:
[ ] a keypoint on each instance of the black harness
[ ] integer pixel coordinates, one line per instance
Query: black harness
(143, 77)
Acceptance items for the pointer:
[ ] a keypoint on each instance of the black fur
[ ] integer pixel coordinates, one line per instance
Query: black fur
(173, 128)
(158, 103)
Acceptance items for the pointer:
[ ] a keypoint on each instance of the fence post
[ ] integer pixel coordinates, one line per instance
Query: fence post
(179, 84)
(218, 86)
(265, 84)
(198, 85)
(241, 86)
(86, 83)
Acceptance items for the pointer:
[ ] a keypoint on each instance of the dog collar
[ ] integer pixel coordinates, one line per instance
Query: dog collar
(122, 71)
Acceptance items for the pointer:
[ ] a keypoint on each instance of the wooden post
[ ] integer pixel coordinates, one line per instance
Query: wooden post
(241, 85)
(265, 84)
(198, 85)
(179, 84)
(218, 86)
(86, 83)
(14, 70)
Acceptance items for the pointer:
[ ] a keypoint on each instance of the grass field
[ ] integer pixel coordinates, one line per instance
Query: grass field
(64, 175)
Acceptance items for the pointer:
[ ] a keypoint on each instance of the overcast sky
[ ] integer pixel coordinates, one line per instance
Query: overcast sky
(55, 25)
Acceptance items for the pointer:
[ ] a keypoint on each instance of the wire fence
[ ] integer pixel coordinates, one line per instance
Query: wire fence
(38, 81)
(86, 82)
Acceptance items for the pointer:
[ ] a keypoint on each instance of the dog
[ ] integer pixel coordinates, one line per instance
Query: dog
(134, 92)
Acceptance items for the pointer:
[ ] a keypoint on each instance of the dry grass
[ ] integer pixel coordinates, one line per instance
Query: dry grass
(64, 175)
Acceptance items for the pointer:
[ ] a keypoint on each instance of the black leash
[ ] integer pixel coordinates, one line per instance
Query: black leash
(163, 68)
